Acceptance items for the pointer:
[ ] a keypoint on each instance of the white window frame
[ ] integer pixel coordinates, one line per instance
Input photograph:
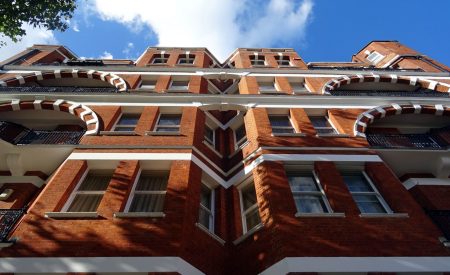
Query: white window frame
(178, 88)
(211, 212)
(133, 192)
(320, 191)
(189, 58)
(282, 127)
(120, 125)
(281, 58)
(162, 57)
(238, 144)
(374, 193)
(255, 60)
(206, 139)
(167, 126)
(335, 132)
(374, 57)
(250, 209)
(75, 192)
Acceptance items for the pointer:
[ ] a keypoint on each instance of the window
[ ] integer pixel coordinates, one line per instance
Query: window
(168, 123)
(283, 60)
(374, 57)
(281, 124)
(161, 59)
(127, 123)
(267, 87)
(89, 192)
(240, 136)
(249, 206)
(257, 60)
(209, 135)
(148, 193)
(364, 193)
(322, 125)
(298, 87)
(186, 59)
(179, 86)
(206, 215)
(308, 194)
(148, 85)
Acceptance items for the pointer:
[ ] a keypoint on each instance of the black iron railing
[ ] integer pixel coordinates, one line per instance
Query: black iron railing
(442, 220)
(8, 219)
(62, 89)
(418, 93)
(410, 141)
(19, 135)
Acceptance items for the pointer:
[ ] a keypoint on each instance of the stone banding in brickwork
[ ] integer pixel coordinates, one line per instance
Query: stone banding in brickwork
(413, 81)
(79, 110)
(368, 117)
(112, 79)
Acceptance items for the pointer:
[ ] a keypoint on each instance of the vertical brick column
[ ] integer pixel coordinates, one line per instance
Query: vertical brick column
(163, 83)
(236, 224)
(22, 194)
(108, 115)
(337, 193)
(248, 85)
(222, 214)
(198, 85)
(283, 85)
(132, 80)
(344, 119)
(147, 120)
(316, 84)
(301, 121)
(119, 187)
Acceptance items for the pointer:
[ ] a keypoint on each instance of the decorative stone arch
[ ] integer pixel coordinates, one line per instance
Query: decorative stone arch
(368, 117)
(412, 81)
(79, 110)
(113, 79)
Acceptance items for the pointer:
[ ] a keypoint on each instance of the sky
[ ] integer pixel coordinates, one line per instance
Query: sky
(319, 30)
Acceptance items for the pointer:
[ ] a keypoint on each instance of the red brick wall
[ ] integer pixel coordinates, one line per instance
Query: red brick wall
(22, 194)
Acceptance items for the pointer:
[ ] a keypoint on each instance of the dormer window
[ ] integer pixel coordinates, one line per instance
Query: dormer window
(186, 59)
(160, 59)
(283, 60)
(374, 57)
(257, 60)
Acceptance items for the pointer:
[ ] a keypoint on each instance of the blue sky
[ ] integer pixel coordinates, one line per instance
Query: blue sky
(320, 30)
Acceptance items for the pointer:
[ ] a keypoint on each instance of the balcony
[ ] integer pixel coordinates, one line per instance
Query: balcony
(19, 135)
(406, 141)
(383, 93)
(8, 219)
(62, 89)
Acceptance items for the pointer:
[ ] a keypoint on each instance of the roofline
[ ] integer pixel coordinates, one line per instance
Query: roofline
(373, 42)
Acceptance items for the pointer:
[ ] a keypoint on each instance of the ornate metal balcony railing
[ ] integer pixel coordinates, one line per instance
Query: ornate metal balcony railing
(75, 90)
(442, 219)
(8, 219)
(19, 135)
(418, 93)
(407, 141)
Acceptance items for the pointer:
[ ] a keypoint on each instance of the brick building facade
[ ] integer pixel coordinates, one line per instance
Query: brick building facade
(176, 163)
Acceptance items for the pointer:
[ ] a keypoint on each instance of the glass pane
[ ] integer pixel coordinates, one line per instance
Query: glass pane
(357, 183)
(127, 119)
(167, 129)
(240, 133)
(180, 85)
(277, 121)
(95, 183)
(173, 120)
(283, 130)
(85, 203)
(152, 183)
(209, 134)
(248, 196)
(124, 129)
(369, 204)
(310, 204)
(205, 197)
(319, 121)
(303, 183)
(205, 218)
(252, 219)
(147, 203)
(326, 131)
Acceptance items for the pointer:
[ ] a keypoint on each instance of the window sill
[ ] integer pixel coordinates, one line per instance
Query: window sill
(320, 215)
(210, 146)
(288, 66)
(162, 133)
(64, 215)
(156, 64)
(177, 91)
(384, 215)
(270, 92)
(139, 215)
(333, 135)
(214, 236)
(118, 133)
(186, 64)
(248, 234)
(305, 92)
(5, 244)
(288, 134)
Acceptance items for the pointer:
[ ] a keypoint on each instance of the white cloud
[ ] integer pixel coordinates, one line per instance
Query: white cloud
(127, 50)
(221, 26)
(106, 55)
(33, 36)
(75, 27)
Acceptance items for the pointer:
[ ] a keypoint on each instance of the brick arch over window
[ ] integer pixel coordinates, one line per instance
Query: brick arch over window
(112, 79)
(412, 81)
(368, 117)
(79, 110)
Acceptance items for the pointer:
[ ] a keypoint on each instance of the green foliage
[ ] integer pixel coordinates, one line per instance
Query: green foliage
(49, 14)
